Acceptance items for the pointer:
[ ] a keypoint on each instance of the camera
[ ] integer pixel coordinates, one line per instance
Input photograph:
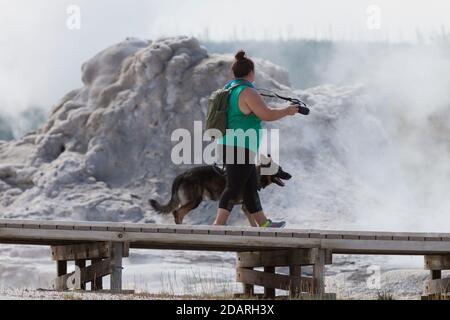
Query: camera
(303, 110)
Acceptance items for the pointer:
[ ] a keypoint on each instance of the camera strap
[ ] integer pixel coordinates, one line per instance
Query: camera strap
(270, 94)
(303, 108)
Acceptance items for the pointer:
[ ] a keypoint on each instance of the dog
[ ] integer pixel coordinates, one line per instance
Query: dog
(194, 186)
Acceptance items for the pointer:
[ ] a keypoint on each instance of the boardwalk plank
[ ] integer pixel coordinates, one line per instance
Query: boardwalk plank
(221, 238)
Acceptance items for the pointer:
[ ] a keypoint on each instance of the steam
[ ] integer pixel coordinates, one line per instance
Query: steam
(397, 144)
(17, 125)
(40, 58)
(380, 161)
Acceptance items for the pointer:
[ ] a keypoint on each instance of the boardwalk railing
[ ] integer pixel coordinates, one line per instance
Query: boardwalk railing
(104, 244)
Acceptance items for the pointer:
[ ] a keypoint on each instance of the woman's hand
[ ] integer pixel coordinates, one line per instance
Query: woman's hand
(291, 110)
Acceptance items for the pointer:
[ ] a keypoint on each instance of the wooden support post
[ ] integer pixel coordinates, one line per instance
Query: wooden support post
(269, 293)
(97, 284)
(437, 262)
(435, 274)
(319, 272)
(116, 266)
(437, 288)
(81, 264)
(271, 280)
(105, 257)
(249, 289)
(294, 282)
(61, 270)
(75, 280)
(295, 271)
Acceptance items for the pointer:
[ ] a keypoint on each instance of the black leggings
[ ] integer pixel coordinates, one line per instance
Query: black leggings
(242, 180)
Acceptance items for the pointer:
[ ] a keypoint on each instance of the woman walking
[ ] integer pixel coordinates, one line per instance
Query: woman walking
(246, 111)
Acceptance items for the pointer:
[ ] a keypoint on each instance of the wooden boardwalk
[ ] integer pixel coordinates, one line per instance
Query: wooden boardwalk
(106, 243)
(149, 236)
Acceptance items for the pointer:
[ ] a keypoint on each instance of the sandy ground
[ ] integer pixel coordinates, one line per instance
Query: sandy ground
(11, 294)
(167, 274)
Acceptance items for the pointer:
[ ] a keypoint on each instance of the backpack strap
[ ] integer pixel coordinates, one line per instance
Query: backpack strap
(240, 83)
(234, 87)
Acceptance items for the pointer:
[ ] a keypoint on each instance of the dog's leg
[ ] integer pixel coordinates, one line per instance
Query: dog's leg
(250, 217)
(184, 210)
(176, 217)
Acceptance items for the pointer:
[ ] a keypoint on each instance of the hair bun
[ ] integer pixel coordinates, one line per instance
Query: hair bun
(240, 55)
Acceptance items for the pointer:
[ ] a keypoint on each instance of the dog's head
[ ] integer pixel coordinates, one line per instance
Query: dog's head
(277, 178)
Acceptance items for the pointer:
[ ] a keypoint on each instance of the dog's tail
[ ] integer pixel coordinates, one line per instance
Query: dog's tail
(174, 201)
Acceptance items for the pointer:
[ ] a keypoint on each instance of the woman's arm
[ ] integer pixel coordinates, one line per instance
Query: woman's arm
(256, 104)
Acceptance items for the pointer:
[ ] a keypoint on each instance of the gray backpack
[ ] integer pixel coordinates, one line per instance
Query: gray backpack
(216, 117)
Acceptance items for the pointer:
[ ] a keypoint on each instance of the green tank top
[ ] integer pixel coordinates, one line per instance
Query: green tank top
(247, 127)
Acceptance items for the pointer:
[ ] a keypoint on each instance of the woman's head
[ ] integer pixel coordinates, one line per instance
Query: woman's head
(243, 67)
